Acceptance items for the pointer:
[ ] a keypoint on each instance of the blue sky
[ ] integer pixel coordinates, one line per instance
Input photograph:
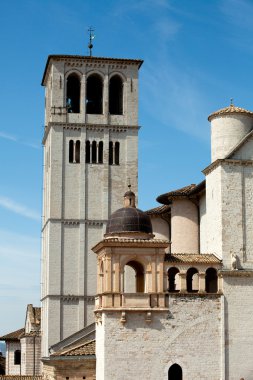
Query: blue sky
(198, 54)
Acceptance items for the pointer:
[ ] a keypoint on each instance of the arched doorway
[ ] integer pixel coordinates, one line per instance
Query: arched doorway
(173, 280)
(175, 372)
(211, 280)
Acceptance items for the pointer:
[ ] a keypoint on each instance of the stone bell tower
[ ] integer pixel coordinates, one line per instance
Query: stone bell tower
(90, 154)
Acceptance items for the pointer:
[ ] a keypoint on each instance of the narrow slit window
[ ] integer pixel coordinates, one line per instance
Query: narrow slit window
(77, 151)
(71, 151)
(116, 153)
(100, 152)
(110, 153)
(94, 152)
(17, 357)
(87, 152)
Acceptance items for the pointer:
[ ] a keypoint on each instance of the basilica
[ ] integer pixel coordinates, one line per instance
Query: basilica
(126, 294)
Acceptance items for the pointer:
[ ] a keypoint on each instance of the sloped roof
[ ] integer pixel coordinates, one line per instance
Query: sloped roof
(15, 335)
(230, 110)
(85, 349)
(160, 210)
(241, 143)
(183, 192)
(191, 258)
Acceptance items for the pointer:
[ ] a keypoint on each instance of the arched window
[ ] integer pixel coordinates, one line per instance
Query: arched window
(133, 277)
(173, 280)
(116, 152)
(71, 151)
(94, 95)
(77, 151)
(192, 280)
(116, 95)
(87, 152)
(94, 152)
(175, 372)
(211, 280)
(110, 152)
(100, 152)
(73, 94)
(17, 357)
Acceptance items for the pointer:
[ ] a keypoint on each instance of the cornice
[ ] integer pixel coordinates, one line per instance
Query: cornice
(131, 243)
(88, 127)
(236, 273)
(70, 297)
(226, 161)
(75, 222)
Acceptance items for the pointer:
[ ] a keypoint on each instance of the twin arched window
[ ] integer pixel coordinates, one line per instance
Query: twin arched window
(74, 151)
(94, 94)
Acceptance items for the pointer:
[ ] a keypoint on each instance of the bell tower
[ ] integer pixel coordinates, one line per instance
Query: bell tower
(90, 153)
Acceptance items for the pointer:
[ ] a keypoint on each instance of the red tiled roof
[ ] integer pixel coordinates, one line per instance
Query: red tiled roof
(230, 110)
(160, 210)
(204, 258)
(84, 349)
(15, 335)
(186, 191)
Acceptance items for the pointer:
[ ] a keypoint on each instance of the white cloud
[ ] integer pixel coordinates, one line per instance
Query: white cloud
(9, 137)
(18, 208)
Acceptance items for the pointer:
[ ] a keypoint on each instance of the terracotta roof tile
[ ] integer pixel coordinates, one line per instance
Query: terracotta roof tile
(15, 335)
(84, 349)
(160, 210)
(186, 191)
(204, 258)
(230, 110)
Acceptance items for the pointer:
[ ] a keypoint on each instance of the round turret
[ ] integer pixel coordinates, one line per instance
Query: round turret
(129, 221)
(228, 127)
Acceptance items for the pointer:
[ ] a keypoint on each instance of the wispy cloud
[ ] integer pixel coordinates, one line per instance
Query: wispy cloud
(183, 106)
(238, 12)
(18, 208)
(15, 139)
(6, 136)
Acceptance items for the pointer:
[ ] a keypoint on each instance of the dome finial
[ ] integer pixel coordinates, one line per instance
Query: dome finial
(231, 102)
(129, 196)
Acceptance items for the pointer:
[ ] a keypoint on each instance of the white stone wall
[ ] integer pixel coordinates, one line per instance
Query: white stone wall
(11, 368)
(211, 229)
(189, 335)
(31, 356)
(238, 292)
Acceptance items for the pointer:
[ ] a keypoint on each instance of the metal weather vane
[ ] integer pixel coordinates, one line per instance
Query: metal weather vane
(92, 36)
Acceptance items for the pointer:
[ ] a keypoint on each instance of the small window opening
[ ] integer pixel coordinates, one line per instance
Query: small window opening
(77, 151)
(173, 280)
(211, 280)
(133, 277)
(117, 153)
(87, 152)
(73, 94)
(110, 153)
(17, 357)
(116, 95)
(192, 280)
(175, 372)
(100, 152)
(94, 152)
(71, 151)
(94, 99)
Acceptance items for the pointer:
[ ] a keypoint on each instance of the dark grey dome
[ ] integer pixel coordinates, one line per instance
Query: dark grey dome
(129, 219)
